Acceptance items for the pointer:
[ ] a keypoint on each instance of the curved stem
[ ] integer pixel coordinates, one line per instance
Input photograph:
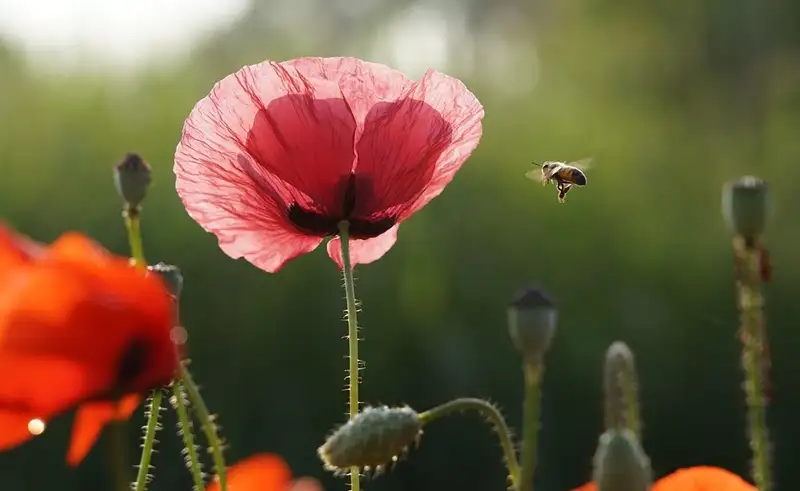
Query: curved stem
(492, 415)
(755, 363)
(352, 335)
(186, 430)
(209, 427)
(530, 423)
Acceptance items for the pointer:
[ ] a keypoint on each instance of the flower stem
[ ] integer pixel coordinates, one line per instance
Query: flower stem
(495, 419)
(755, 362)
(209, 426)
(118, 455)
(530, 423)
(187, 432)
(149, 440)
(132, 224)
(352, 335)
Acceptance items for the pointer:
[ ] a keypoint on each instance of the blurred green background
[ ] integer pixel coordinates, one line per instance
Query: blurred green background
(671, 98)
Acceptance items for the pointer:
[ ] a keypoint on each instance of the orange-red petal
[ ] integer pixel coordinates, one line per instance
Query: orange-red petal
(702, 478)
(16, 249)
(90, 420)
(80, 303)
(44, 385)
(259, 472)
(14, 429)
(699, 478)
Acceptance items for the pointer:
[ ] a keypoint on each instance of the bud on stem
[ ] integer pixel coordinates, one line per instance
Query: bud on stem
(132, 178)
(372, 440)
(620, 463)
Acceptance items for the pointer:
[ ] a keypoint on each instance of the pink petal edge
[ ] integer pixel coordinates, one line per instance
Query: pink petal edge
(363, 251)
(306, 484)
(462, 109)
(362, 83)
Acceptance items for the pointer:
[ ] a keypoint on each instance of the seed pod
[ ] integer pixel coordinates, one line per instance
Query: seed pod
(373, 439)
(745, 206)
(132, 178)
(532, 319)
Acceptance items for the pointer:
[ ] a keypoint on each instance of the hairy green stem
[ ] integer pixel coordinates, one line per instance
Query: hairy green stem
(631, 394)
(495, 419)
(530, 423)
(149, 440)
(132, 224)
(187, 432)
(754, 358)
(209, 427)
(353, 376)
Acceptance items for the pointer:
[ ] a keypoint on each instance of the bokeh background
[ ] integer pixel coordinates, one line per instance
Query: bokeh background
(671, 98)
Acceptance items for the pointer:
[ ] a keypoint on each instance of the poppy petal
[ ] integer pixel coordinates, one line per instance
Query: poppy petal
(16, 249)
(259, 472)
(363, 83)
(589, 486)
(90, 419)
(702, 478)
(42, 384)
(14, 429)
(411, 148)
(363, 251)
(306, 484)
(73, 325)
(264, 139)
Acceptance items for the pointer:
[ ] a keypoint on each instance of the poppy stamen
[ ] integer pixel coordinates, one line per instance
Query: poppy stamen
(318, 224)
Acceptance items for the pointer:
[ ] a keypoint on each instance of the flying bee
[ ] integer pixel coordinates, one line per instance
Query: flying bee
(564, 174)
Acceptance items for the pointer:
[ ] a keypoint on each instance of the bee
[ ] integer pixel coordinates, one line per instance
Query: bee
(564, 174)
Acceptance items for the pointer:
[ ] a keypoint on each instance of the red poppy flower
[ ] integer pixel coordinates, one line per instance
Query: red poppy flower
(265, 472)
(279, 153)
(78, 326)
(700, 478)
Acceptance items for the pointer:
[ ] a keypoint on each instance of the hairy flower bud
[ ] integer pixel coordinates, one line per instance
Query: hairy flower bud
(621, 388)
(620, 463)
(532, 319)
(373, 439)
(171, 275)
(745, 206)
(132, 177)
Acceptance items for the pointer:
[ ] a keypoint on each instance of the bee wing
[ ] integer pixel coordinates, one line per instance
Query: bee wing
(583, 164)
(533, 174)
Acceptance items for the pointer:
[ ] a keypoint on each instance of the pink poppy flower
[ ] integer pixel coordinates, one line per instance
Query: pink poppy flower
(279, 153)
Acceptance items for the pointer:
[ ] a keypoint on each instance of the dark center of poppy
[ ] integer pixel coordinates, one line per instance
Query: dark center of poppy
(320, 224)
(132, 363)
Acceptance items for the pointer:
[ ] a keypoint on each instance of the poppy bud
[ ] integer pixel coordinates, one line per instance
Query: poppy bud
(373, 439)
(171, 275)
(532, 323)
(620, 463)
(745, 206)
(621, 389)
(132, 177)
